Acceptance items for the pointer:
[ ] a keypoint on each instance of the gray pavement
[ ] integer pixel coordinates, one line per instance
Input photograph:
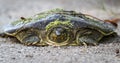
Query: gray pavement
(11, 51)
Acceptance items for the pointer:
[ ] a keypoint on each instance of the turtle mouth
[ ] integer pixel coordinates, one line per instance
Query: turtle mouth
(58, 36)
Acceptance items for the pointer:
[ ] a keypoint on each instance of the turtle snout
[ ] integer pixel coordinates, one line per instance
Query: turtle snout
(59, 31)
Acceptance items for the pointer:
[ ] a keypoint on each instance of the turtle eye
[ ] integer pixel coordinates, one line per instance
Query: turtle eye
(58, 36)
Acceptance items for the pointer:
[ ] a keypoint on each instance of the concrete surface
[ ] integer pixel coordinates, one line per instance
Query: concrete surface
(13, 52)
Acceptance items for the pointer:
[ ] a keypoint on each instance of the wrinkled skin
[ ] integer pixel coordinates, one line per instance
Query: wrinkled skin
(59, 27)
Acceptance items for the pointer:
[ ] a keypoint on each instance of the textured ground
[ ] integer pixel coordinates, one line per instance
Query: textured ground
(13, 52)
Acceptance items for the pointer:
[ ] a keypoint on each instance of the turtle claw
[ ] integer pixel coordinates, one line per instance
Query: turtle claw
(84, 44)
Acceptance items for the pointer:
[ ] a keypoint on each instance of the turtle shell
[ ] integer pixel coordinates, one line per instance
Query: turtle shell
(41, 20)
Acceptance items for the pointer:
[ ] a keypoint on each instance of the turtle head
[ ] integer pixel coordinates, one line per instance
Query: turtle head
(58, 33)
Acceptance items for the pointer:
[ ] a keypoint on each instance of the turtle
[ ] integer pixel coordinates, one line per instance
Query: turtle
(58, 27)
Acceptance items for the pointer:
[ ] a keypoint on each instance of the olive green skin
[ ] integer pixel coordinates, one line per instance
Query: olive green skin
(78, 29)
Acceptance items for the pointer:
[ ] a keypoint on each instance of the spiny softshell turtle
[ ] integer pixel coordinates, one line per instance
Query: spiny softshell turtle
(58, 27)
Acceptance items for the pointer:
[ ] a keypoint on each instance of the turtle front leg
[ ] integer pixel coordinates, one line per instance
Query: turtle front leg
(30, 37)
(88, 36)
